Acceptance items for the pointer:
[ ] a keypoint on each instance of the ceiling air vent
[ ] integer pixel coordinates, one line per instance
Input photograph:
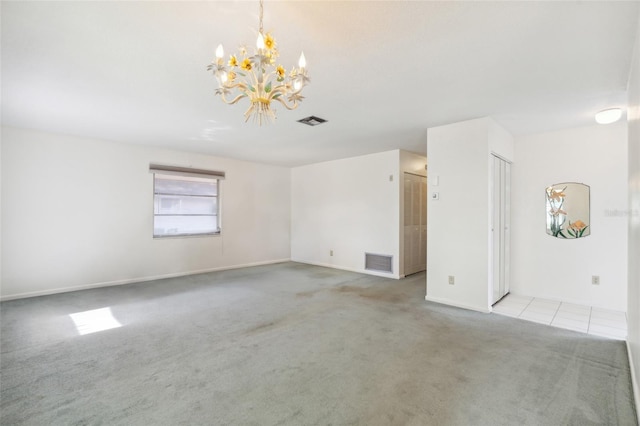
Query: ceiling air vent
(378, 262)
(312, 120)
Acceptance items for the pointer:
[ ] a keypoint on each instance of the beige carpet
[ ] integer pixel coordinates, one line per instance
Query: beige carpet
(292, 344)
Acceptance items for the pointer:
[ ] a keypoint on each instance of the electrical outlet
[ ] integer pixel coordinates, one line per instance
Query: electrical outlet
(595, 279)
(330, 252)
(452, 280)
(390, 178)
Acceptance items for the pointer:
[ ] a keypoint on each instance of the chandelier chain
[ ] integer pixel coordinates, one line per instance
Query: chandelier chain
(261, 12)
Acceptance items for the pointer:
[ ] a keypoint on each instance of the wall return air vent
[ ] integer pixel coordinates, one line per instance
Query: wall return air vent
(378, 262)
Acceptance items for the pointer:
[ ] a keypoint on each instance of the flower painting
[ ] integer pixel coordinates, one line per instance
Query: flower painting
(577, 228)
(556, 216)
(567, 210)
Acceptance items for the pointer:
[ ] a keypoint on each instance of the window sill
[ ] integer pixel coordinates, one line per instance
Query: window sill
(164, 237)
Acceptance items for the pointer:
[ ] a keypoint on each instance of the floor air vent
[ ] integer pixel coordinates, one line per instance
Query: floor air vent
(378, 262)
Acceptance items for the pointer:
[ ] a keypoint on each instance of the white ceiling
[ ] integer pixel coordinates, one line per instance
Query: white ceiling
(381, 72)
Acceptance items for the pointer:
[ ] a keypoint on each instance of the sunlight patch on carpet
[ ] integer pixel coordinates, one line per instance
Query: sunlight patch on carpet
(88, 322)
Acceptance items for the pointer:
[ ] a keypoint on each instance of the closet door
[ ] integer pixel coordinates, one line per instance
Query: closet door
(423, 224)
(500, 223)
(415, 223)
(506, 225)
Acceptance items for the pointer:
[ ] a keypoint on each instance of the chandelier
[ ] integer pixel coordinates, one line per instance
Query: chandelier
(259, 77)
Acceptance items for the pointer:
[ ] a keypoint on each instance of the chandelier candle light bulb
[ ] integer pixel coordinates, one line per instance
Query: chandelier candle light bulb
(259, 78)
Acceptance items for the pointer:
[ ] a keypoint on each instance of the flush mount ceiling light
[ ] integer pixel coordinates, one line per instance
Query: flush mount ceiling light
(608, 116)
(259, 77)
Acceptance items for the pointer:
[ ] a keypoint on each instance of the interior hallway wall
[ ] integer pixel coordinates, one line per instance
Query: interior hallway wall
(348, 206)
(552, 268)
(0, 214)
(78, 213)
(459, 221)
(633, 303)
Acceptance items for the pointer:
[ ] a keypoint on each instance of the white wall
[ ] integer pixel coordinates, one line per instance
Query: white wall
(553, 268)
(633, 303)
(78, 213)
(458, 226)
(349, 206)
(0, 215)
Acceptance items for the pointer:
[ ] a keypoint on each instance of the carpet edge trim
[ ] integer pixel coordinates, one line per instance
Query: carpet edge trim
(456, 304)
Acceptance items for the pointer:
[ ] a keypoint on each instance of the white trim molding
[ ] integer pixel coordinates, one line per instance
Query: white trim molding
(359, 271)
(634, 382)
(136, 280)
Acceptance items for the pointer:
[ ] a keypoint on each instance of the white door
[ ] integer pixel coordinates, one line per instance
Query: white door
(415, 223)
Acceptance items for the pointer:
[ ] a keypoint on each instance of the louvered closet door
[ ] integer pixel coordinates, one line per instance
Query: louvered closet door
(415, 223)
(422, 249)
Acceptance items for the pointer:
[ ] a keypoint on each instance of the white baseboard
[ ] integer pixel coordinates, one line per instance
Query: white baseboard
(344, 268)
(456, 304)
(634, 381)
(136, 280)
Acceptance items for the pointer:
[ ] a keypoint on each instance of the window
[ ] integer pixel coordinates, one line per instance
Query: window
(185, 201)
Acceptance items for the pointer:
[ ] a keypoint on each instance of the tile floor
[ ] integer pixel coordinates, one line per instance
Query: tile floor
(586, 319)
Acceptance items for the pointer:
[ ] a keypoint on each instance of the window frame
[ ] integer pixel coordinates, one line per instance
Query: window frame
(187, 172)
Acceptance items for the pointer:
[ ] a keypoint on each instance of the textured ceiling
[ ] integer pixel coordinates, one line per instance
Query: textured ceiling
(381, 72)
